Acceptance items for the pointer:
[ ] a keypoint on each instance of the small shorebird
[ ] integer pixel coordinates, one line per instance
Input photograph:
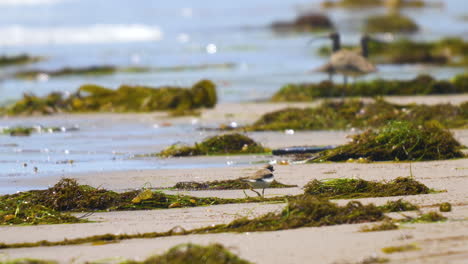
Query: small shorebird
(260, 179)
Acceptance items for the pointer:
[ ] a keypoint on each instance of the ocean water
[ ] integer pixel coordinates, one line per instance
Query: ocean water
(76, 33)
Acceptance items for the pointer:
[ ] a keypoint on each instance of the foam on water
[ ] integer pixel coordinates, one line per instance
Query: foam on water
(17, 35)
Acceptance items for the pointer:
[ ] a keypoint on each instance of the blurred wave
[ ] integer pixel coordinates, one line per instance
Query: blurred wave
(17, 35)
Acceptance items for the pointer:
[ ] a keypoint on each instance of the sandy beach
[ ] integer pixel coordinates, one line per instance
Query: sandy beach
(444, 242)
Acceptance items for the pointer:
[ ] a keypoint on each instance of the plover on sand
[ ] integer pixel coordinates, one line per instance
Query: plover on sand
(261, 179)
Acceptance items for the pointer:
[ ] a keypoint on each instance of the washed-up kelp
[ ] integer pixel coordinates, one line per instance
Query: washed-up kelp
(107, 69)
(429, 217)
(28, 261)
(305, 23)
(357, 114)
(343, 188)
(451, 51)
(421, 85)
(23, 208)
(398, 140)
(92, 70)
(216, 145)
(392, 23)
(372, 3)
(403, 248)
(94, 98)
(26, 131)
(410, 186)
(18, 59)
(303, 211)
(223, 185)
(194, 254)
(384, 226)
(47, 206)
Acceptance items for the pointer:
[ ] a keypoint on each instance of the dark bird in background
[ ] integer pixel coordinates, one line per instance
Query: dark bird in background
(348, 62)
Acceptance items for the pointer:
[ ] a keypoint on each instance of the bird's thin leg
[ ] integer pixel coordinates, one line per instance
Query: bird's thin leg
(345, 81)
(246, 196)
(263, 192)
(255, 192)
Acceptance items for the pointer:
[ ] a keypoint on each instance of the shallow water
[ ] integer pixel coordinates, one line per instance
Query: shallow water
(162, 34)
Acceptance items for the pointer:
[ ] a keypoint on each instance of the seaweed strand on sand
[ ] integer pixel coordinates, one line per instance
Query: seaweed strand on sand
(94, 98)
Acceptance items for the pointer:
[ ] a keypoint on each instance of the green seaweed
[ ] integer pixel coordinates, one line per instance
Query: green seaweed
(429, 217)
(18, 60)
(17, 131)
(398, 141)
(411, 187)
(445, 207)
(372, 3)
(194, 254)
(27, 131)
(27, 261)
(343, 188)
(94, 98)
(91, 70)
(22, 208)
(384, 226)
(217, 145)
(392, 23)
(47, 206)
(357, 114)
(447, 51)
(398, 249)
(421, 85)
(305, 23)
(301, 211)
(108, 70)
(223, 185)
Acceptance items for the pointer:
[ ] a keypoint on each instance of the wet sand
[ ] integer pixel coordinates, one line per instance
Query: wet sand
(444, 242)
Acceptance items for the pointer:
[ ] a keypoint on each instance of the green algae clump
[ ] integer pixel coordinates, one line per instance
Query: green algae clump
(384, 226)
(357, 114)
(393, 23)
(421, 85)
(216, 145)
(28, 261)
(224, 185)
(305, 23)
(447, 51)
(399, 205)
(352, 3)
(17, 131)
(445, 207)
(399, 141)
(397, 249)
(429, 217)
(343, 188)
(94, 98)
(372, 3)
(48, 206)
(92, 70)
(194, 254)
(24, 208)
(18, 59)
(303, 211)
